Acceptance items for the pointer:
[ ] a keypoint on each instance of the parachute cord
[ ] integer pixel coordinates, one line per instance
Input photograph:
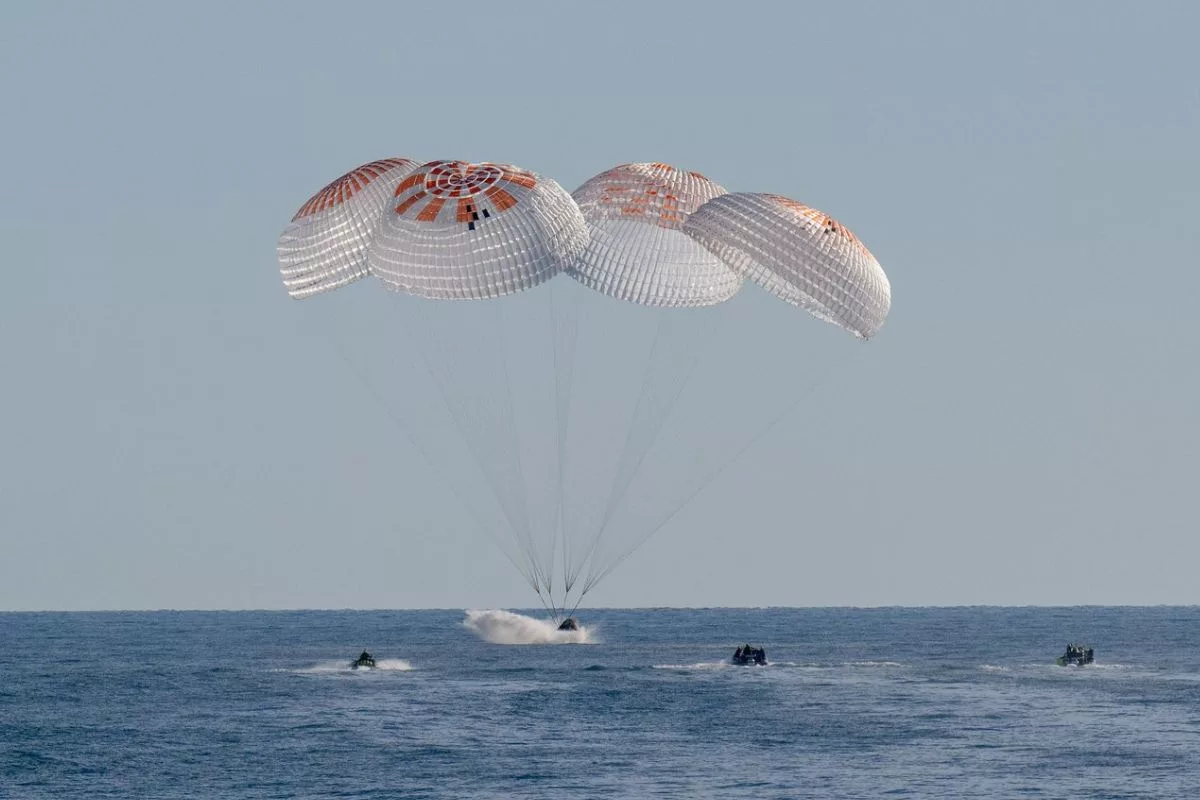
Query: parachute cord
(509, 407)
(613, 491)
(558, 440)
(550, 572)
(655, 431)
(549, 607)
(591, 580)
(578, 600)
(373, 391)
(457, 416)
(562, 411)
(513, 453)
(637, 409)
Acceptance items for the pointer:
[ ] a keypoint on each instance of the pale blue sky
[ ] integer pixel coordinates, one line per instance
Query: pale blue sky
(1022, 431)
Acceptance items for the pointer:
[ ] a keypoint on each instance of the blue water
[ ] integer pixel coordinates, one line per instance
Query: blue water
(929, 703)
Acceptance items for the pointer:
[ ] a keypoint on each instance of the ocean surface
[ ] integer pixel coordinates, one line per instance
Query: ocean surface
(926, 703)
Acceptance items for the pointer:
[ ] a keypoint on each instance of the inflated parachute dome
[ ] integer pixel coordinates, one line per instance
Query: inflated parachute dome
(633, 258)
(458, 231)
(326, 245)
(638, 250)
(647, 233)
(799, 254)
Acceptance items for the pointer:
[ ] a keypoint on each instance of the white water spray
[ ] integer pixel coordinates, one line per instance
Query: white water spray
(505, 627)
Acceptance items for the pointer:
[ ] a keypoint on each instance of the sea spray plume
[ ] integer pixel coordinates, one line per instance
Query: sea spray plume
(505, 627)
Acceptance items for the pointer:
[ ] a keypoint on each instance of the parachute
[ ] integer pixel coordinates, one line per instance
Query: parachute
(326, 245)
(564, 336)
(475, 231)
(638, 250)
(799, 254)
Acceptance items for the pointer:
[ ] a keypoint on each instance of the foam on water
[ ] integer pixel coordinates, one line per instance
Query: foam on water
(381, 665)
(703, 665)
(711, 665)
(505, 627)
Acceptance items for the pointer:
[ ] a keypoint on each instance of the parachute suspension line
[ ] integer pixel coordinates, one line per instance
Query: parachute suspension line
(374, 393)
(510, 448)
(548, 606)
(559, 522)
(698, 345)
(578, 600)
(559, 445)
(563, 339)
(550, 567)
(459, 416)
(558, 434)
(712, 476)
(594, 538)
(515, 455)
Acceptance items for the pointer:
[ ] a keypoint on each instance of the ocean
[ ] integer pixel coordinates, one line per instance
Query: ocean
(855, 703)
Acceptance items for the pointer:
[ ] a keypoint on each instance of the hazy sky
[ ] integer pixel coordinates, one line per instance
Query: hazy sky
(1023, 430)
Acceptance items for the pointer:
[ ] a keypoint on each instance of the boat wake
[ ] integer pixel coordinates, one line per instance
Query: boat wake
(713, 665)
(703, 665)
(504, 627)
(874, 664)
(381, 665)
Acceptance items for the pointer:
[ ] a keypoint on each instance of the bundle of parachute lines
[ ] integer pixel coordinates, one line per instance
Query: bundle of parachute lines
(647, 233)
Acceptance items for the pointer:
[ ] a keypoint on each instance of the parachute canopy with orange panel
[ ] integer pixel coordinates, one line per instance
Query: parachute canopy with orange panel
(638, 251)
(461, 231)
(325, 246)
(798, 253)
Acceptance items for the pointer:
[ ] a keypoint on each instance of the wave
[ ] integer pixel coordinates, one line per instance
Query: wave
(505, 627)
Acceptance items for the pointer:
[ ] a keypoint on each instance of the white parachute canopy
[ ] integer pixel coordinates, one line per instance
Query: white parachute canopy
(638, 251)
(574, 415)
(326, 245)
(799, 254)
(463, 231)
